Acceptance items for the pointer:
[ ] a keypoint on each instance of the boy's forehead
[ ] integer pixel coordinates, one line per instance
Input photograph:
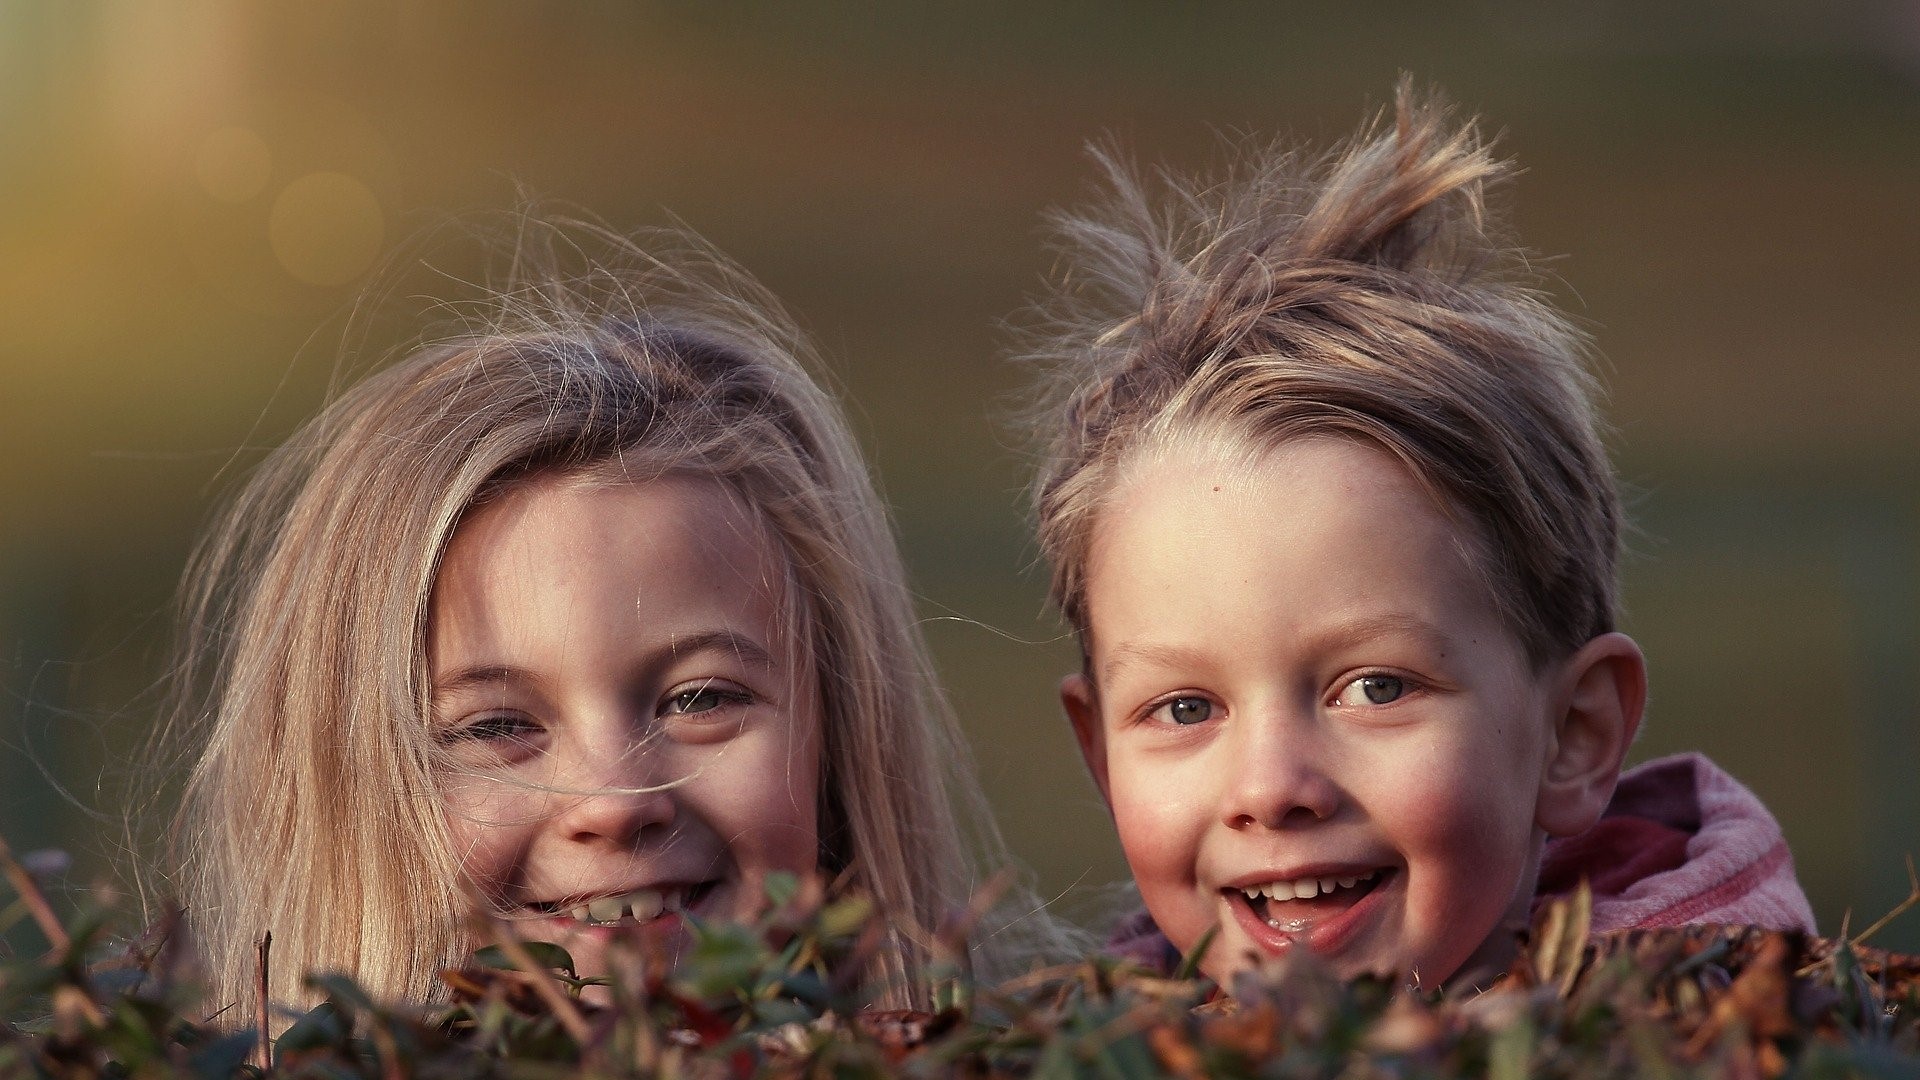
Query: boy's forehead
(1320, 532)
(1245, 470)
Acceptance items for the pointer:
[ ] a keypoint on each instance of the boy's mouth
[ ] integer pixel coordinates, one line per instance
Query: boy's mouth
(1295, 906)
(631, 908)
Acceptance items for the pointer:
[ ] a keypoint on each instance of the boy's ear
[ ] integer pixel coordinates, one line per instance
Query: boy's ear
(1082, 704)
(1602, 693)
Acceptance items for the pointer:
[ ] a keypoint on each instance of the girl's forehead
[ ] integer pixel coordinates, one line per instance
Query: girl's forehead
(545, 532)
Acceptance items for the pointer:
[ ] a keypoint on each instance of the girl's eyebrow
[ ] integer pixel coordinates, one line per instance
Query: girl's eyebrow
(745, 649)
(481, 675)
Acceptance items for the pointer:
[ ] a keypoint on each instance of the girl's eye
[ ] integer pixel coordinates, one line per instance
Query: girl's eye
(1372, 690)
(1185, 711)
(491, 727)
(704, 698)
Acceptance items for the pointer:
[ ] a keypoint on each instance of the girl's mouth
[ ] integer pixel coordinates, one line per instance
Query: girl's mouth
(635, 908)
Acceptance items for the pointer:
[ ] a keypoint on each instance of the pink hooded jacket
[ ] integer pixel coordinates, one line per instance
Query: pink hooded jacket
(1682, 842)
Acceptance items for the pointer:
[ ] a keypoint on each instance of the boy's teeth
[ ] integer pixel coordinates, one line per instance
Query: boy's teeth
(1305, 888)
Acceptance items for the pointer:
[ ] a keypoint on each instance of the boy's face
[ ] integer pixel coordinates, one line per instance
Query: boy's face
(1309, 721)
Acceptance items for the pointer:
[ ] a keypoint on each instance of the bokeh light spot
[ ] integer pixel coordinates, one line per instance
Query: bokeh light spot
(326, 228)
(233, 164)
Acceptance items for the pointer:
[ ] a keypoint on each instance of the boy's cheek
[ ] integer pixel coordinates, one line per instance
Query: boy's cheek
(1161, 828)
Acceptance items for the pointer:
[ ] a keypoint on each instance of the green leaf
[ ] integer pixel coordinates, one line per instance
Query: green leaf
(846, 918)
(1190, 963)
(342, 990)
(544, 953)
(782, 887)
(223, 1056)
(1510, 1052)
(321, 1027)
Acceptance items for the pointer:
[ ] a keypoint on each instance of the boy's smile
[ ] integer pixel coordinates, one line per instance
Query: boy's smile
(1310, 721)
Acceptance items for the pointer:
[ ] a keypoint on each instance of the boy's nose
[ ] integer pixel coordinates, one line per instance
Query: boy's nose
(618, 800)
(1278, 776)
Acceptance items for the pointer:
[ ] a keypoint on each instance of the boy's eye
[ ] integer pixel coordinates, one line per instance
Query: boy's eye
(1372, 690)
(1186, 711)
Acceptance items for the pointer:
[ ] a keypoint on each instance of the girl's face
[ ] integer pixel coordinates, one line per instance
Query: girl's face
(630, 731)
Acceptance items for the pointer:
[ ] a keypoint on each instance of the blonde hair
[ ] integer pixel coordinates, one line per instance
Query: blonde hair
(306, 618)
(1363, 294)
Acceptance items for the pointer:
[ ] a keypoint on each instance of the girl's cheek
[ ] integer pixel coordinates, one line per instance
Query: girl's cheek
(484, 840)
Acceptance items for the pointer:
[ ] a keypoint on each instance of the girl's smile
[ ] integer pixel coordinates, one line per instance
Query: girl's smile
(628, 733)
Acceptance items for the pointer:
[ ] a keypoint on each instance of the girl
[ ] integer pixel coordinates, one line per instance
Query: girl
(590, 610)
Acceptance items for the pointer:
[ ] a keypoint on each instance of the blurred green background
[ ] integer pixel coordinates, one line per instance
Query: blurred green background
(193, 196)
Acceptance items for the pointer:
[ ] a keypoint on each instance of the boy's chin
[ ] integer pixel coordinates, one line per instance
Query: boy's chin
(1485, 966)
(1492, 960)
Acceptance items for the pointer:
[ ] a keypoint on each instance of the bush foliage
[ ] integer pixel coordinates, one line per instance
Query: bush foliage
(776, 998)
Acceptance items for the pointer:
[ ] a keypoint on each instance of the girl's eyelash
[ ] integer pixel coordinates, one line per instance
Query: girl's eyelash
(488, 727)
(709, 695)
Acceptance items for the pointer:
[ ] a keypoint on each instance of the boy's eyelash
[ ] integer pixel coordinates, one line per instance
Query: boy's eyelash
(1409, 685)
(1147, 712)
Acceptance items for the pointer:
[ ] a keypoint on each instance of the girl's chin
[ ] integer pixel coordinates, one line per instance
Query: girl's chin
(594, 948)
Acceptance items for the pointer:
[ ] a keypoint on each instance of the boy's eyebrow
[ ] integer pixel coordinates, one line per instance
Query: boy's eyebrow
(1367, 627)
(1351, 632)
(1128, 653)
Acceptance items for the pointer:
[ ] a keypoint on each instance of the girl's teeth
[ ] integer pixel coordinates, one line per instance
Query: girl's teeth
(645, 904)
(641, 904)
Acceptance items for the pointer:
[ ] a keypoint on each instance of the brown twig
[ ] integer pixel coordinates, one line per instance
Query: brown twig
(564, 1010)
(34, 899)
(262, 1050)
(1904, 906)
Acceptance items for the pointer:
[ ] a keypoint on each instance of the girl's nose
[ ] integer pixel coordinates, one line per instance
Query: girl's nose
(617, 800)
(1279, 775)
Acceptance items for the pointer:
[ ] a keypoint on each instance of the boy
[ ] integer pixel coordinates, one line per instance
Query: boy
(1328, 509)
